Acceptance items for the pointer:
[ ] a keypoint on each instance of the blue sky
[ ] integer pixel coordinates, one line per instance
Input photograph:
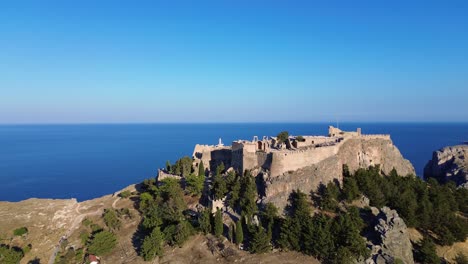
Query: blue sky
(104, 61)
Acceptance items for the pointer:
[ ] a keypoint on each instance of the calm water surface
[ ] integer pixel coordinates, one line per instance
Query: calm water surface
(88, 161)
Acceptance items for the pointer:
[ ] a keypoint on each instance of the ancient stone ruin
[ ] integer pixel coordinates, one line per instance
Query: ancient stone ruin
(303, 162)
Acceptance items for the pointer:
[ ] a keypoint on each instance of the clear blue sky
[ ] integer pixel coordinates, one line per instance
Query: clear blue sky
(93, 61)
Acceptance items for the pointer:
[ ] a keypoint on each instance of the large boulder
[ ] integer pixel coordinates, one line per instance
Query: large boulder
(449, 164)
(393, 243)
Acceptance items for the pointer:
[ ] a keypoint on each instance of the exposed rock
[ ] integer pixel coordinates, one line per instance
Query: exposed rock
(449, 164)
(355, 152)
(394, 239)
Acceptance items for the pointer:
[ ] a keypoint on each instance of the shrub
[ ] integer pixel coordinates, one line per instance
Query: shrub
(20, 231)
(111, 220)
(283, 136)
(86, 222)
(125, 194)
(300, 138)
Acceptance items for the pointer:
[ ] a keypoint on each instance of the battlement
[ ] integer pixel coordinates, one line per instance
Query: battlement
(376, 136)
(277, 157)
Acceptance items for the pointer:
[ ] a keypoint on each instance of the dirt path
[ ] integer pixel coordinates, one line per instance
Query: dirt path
(115, 203)
(76, 223)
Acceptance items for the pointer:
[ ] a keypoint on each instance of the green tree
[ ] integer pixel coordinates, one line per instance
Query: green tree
(268, 216)
(290, 234)
(145, 199)
(248, 196)
(183, 166)
(111, 219)
(346, 229)
(152, 246)
(350, 189)
(219, 187)
(230, 178)
(218, 223)
(195, 184)
(168, 166)
(427, 252)
(234, 196)
(102, 243)
(282, 136)
(220, 169)
(317, 237)
(177, 234)
(201, 169)
(152, 219)
(291, 231)
(299, 207)
(205, 221)
(171, 203)
(260, 242)
(231, 232)
(239, 234)
(329, 197)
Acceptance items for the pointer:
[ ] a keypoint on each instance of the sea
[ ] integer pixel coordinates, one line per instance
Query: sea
(91, 160)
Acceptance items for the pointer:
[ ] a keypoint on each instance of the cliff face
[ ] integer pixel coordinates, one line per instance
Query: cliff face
(356, 153)
(449, 164)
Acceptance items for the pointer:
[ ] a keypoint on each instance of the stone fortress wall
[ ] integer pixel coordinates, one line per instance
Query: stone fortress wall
(212, 155)
(274, 157)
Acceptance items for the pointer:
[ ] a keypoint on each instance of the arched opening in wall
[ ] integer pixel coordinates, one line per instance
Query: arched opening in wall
(294, 144)
(259, 145)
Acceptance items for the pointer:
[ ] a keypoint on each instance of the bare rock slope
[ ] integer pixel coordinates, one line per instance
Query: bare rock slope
(393, 239)
(356, 153)
(449, 164)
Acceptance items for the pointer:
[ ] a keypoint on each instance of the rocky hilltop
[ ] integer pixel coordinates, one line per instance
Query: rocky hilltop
(449, 164)
(287, 163)
(355, 152)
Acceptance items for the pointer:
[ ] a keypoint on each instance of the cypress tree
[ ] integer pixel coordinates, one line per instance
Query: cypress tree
(218, 223)
(248, 196)
(231, 233)
(239, 234)
(201, 169)
(205, 221)
(219, 187)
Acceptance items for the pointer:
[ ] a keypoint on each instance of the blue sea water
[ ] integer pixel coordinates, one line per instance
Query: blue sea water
(88, 161)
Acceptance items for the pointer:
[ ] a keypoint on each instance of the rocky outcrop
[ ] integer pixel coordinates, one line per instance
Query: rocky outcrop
(393, 242)
(355, 152)
(449, 164)
(362, 153)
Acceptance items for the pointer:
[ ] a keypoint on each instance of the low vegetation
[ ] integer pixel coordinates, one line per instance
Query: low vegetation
(10, 255)
(125, 194)
(20, 231)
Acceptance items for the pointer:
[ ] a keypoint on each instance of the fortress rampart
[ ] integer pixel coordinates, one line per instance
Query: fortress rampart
(376, 136)
(277, 157)
(284, 161)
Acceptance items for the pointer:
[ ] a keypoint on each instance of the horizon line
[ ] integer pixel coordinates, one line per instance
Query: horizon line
(227, 123)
